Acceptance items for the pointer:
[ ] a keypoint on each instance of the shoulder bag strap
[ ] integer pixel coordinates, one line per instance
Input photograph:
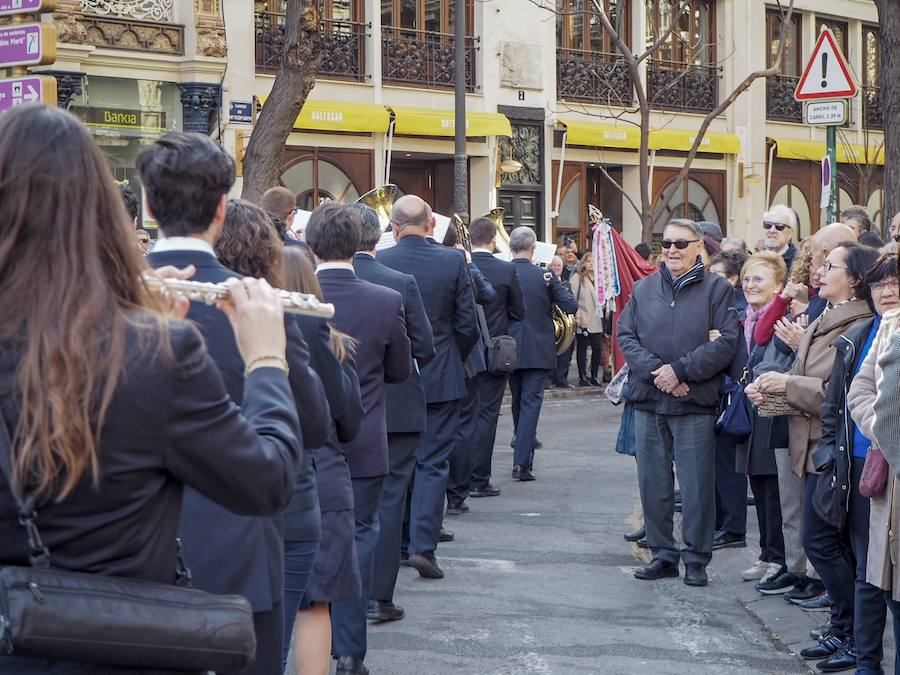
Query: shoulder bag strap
(482, 321)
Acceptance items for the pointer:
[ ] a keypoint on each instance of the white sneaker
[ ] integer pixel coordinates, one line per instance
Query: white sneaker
(759, 569)
(772, 571)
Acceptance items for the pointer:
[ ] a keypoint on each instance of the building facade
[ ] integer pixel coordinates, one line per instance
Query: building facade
(546, 88)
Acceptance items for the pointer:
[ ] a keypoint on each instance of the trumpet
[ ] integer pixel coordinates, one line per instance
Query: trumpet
(210, 294)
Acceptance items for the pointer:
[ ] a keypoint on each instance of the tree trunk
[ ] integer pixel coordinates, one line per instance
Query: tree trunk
(296, 76)
(889, 25)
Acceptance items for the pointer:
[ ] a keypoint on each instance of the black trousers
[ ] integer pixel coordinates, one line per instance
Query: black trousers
(527, 388)
(561, 376)
(595, 340)
(490, 398)
(464, 444)
(768, 515)
(391, 514)
(869, 607)
(731, 491)
(828, 549)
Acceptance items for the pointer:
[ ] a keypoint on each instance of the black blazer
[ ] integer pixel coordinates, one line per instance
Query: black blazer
(405, 403)
(534, 334)
(171, 423)
(228, 553)
(373, 315)
(509, 304)
(447, 294)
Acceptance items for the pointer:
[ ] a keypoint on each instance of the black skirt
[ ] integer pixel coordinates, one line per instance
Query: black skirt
(336, 572)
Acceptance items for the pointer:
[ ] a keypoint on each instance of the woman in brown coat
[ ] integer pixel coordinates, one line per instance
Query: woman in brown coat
(804, 388)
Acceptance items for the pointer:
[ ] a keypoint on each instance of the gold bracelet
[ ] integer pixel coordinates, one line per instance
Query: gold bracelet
(282, 364)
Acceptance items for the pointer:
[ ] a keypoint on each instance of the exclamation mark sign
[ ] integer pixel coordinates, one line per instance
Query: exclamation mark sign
(824, 70)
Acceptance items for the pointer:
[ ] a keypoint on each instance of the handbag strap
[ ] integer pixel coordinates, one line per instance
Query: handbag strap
(38, 555)
(482, 321)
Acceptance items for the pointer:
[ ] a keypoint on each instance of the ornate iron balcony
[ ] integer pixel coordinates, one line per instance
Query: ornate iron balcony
(420, 58)
(686, 87)
(780, 103)
(592, 77)
(343, 53)
(872, 111)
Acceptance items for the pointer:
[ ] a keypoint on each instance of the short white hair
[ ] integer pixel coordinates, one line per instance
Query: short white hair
(522, 239)
(784, 211)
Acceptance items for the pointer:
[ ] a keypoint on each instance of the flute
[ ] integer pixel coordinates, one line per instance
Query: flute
(210, 294)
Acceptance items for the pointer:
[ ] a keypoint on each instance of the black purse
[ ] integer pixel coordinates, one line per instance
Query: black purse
(502, 351)
(114, 621)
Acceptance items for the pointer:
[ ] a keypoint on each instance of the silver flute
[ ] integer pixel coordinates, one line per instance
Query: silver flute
(210, 294)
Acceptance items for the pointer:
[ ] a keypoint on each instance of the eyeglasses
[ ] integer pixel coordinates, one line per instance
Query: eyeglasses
(831, 266)
(681, 244)
(756, 281)
(768, 224)
(887, 285)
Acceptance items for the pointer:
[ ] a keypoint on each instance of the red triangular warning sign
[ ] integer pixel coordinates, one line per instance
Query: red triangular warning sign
(826, 74)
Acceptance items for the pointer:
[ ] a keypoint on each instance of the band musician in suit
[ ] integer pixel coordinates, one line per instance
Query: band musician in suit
(536, 344)
(446, 291)
(405, 407)
(508, 305)
(373, 316)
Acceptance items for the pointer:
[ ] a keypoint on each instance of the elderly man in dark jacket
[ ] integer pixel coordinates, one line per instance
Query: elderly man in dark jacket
(676, 372)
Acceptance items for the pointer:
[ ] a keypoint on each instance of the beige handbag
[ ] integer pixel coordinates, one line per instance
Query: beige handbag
(776, 405)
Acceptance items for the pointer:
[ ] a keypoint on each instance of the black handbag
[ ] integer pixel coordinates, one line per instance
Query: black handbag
(734, 423)
(114, 621)
(502, 351)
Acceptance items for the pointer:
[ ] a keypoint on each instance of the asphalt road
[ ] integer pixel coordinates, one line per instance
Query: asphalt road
(539, 580)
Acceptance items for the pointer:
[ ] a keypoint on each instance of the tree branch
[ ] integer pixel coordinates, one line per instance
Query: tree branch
(659, 41)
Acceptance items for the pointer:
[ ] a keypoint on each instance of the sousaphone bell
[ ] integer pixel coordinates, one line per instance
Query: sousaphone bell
(381, 199)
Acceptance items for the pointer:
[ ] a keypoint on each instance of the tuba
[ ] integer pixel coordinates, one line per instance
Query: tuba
(497, 216)
(381, 199)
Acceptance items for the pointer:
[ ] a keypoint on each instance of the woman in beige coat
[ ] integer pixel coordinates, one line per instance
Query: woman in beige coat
(588, 324)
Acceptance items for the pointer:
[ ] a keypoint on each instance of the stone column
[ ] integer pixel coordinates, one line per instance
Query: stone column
(199, 101)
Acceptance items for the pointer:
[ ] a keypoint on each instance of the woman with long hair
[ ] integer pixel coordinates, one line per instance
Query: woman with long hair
(111, 405)
(588, 325)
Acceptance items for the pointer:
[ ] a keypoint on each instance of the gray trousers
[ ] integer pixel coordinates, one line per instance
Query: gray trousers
(790, 494)
(689, 442)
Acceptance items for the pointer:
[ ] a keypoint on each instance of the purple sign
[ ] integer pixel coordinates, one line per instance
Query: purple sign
(21, 6)
(20, 45)
(23, 90)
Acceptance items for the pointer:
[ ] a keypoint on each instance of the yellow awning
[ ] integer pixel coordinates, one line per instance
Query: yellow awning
(341, 116)
(814, 151)
(628, 137)
(431, 122)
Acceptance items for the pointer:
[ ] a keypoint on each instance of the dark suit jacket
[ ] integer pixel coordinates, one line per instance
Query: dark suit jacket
(373, 315)
(476, 362)
(405, 402)
(447, 294)
(509, 305)
(228, 553)
(534, 334)
(171, 423)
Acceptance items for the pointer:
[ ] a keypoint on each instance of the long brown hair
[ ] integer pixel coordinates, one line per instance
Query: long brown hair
(249, 243)
(300, 276)
(70, 284)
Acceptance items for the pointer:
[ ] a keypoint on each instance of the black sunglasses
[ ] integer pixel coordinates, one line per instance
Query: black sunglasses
(681, 244)
(768, 224)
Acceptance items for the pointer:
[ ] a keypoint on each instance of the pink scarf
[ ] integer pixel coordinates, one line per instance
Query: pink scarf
(751, 319)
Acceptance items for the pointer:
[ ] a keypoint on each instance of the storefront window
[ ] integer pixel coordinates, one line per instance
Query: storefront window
(793, 196)
(875, 205)
(316, 181)
(124, 116)
(693, 202)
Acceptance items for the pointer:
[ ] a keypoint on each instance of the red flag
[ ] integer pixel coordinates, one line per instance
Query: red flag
(631, 268)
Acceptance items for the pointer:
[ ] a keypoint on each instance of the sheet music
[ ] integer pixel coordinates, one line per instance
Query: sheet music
(386, 241)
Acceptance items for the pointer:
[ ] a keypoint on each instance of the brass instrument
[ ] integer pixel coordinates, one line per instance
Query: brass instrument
(210, 294)
(497, 216)
(563, 324)
(462, 232)
(381, 199)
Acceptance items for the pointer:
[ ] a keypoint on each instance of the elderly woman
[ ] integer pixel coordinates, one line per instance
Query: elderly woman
(803, 388)
(589, 325)
(762, 277)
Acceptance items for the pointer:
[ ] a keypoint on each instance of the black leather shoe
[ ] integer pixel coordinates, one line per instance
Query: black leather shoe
(522, 474)
(844, 659)
(426, 567)
(564, 385)
(595, 382)
(821, 632)
(636, 535)
(446, 535)
(827, 647)
(382, 610)
(347, 665)
(728, 540)
(454, 508)
(695, 574)
(805, 589)
(489, 491)
(657, 569)
(642, 543)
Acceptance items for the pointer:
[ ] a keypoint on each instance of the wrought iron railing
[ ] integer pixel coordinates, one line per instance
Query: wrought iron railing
(343, 51)
(593, 77)
(423, 59)
(781, 105)
(872, 111)
(687, 87)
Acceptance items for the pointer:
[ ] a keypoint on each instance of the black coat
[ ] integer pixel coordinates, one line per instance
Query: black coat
(657, 327)
(509, 304)
(446, 291)
(171, 424)
(405, 402)
(373, 316)
(534, 335)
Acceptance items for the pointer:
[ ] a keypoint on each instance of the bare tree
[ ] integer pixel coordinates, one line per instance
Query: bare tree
(646, 103)
(300, 59)
(889, 39)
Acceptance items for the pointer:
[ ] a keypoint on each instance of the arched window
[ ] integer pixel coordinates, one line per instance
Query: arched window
(316, 181)
(689, 200)
(793, 196)
(875, 206)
